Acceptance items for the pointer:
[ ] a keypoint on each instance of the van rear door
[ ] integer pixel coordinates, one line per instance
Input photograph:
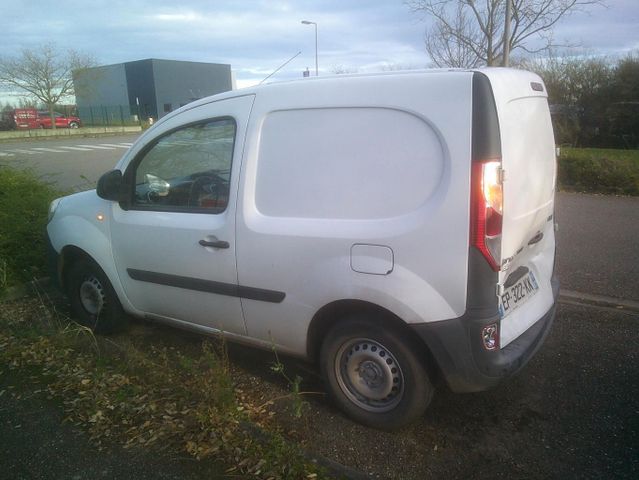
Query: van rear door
(529, 176)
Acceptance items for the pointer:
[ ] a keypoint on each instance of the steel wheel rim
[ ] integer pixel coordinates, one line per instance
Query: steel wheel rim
(92, 296)
(369, 375)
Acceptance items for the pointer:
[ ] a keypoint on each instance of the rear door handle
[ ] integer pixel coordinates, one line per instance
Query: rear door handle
(536, 239)
(214, 243)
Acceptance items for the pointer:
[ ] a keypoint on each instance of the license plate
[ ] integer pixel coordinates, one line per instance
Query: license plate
(517, 294)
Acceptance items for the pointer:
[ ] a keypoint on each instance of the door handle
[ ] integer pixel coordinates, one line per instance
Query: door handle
(214, 243)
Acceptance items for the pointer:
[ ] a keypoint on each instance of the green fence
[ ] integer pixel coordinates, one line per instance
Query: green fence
(112, 115)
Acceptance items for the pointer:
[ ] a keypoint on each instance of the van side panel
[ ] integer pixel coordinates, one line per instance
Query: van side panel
(376, 161)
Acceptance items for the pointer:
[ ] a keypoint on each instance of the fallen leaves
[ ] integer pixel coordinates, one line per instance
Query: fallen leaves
(152, 396)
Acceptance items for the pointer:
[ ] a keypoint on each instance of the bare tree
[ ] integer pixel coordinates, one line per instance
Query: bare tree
(44, 73)
(469, 33)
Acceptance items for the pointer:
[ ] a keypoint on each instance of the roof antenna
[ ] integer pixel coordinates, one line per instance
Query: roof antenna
(280, 67)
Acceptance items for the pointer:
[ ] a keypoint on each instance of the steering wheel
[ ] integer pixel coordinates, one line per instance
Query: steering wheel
(205, 184)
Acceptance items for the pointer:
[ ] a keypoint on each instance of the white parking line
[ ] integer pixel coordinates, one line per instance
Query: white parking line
(28, 152)
(79, 149)
(48, 150)
(115, 145)
(97, 147)
(4, 154)
(126, 143)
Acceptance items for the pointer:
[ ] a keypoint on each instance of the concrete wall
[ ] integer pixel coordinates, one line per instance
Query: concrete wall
(104, 93)
(67, 132)
(178, 83)
(101, 86)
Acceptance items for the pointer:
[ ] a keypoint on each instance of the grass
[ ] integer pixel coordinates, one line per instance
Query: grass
(149, 396)
(599, 170)
(24, 202)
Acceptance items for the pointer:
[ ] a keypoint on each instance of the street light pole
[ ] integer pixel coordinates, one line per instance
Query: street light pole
(506, 58)
(306, 22)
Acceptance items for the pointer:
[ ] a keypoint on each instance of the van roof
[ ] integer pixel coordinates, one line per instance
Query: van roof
(499, 75)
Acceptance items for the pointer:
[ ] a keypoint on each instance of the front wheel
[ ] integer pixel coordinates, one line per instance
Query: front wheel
(374, 373)
(93, 301)
(73, 125)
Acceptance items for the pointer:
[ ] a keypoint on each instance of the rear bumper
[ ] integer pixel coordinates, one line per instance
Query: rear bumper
(465, 364)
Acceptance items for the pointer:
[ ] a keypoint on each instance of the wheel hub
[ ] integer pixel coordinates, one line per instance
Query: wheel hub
(92, 296)
(369, 375)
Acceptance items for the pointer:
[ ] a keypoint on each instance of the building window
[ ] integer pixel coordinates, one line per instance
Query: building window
(167, 107)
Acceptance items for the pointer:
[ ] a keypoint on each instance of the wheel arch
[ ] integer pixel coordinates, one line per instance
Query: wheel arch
(69, 255)
(329, 315)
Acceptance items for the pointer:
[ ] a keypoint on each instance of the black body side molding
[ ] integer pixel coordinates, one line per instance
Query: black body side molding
(208, 286)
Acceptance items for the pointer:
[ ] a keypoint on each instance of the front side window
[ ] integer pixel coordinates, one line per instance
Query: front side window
(187, 170)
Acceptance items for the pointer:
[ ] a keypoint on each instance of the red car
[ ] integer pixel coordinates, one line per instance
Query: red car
(44, 120)
(22, 118)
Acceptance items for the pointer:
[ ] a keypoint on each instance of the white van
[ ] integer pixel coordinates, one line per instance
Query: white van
(397, 229)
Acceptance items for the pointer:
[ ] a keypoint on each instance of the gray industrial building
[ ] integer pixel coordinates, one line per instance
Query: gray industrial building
(145, 88)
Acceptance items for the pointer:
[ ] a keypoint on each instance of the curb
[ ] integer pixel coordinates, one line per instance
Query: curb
(589, 300)
(66, 133)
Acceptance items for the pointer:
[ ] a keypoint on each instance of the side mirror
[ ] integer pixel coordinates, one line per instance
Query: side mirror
(110, 185)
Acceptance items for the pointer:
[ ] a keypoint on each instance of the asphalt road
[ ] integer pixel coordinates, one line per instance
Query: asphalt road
(70, 163)
(598, 244)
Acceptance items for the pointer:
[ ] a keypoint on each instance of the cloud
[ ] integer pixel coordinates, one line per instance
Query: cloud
(256, 36)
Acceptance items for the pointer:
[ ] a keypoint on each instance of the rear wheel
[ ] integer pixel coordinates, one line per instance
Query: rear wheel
(73, 125)
(374, 373)
(93, 301)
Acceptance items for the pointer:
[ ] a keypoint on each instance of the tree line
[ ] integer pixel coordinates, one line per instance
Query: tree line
(594, 100)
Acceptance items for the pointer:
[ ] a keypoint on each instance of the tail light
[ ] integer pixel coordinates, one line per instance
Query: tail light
(487, 210)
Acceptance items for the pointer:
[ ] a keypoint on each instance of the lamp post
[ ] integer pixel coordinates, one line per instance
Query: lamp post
(507, 33)
(306, 22)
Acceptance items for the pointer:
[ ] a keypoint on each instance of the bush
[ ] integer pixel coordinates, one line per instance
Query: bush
(24, 202)
(599, 170)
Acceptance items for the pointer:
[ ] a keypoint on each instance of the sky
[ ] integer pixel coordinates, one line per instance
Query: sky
(257, 36)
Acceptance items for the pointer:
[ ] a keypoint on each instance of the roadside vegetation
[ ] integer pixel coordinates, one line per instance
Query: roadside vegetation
(594, 100)
(24, 202)
(596, 170)
(142, 394)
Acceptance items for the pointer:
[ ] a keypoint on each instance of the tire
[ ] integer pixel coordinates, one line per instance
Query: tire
(374, 373)
(93, 301)
(73, 125)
